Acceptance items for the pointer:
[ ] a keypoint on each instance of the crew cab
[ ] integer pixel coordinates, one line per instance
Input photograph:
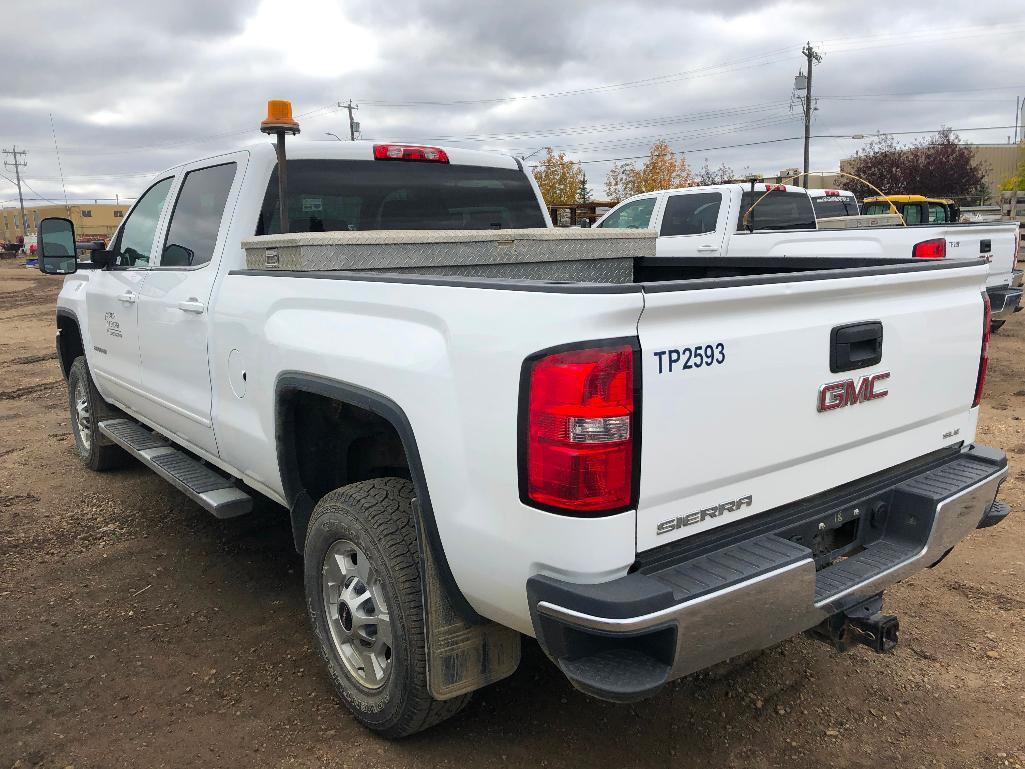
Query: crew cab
(648, 470)
(731, 221)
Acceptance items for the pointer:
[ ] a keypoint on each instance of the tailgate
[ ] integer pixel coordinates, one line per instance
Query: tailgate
(725, 440)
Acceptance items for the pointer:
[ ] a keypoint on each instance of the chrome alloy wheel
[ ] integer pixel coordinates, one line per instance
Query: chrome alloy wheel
(357, 614)
(83, 417)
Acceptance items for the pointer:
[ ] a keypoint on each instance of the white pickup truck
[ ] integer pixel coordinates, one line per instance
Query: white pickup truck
(710, 221)
(648, 473)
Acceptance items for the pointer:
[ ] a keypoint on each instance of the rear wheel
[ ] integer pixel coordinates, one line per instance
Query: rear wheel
(363, 594)
(996, 325)
(88, 409)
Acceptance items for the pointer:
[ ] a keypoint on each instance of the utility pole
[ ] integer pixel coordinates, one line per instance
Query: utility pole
(17, 166)
(813, 57)
(353, 124)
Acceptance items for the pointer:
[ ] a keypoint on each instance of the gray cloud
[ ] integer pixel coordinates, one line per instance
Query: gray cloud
(149, 84)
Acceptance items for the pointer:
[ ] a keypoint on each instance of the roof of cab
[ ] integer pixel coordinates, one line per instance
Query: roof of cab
(907, 199)
(299, 149)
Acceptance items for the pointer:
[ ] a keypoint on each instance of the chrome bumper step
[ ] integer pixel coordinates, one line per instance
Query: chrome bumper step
(209, 489)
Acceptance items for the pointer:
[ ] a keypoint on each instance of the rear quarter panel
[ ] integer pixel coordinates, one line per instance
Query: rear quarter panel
(450, 358)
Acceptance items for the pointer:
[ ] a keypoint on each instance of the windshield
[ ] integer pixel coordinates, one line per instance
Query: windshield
(835, 205)
(332, 195)
(776, 211)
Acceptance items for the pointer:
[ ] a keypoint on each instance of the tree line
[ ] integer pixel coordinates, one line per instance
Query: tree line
(940, 165)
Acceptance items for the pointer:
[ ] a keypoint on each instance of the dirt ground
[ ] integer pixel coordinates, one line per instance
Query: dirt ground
(138, 631)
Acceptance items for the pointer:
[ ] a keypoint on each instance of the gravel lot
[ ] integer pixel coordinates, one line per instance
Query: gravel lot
(136, 630)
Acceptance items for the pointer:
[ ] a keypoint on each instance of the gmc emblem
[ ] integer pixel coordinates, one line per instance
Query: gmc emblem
(836, 395)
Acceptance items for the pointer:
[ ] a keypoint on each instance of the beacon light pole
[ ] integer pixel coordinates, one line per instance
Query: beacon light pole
(280, 122)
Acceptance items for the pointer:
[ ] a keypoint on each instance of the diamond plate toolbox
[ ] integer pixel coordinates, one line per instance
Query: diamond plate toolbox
(535, 254)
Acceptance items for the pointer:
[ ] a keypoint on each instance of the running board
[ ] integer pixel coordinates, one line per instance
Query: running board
(203, 485)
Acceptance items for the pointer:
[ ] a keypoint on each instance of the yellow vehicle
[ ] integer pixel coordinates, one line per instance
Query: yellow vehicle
(916, 209)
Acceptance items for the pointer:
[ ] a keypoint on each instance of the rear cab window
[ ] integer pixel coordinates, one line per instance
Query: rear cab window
(355, 195)
(835, 205)
(777, 210)
(632, 215)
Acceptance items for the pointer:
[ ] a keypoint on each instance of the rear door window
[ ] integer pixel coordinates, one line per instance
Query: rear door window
(691, 214)
(635, 215)
(352, 195)
(196, 218)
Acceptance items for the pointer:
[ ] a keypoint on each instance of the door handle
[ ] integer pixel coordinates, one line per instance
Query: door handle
(707, 249)
(192, 305)
(128, 297)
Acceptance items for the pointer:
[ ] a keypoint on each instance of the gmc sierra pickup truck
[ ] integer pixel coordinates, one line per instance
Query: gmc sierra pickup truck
(734, 221)
(651, 468)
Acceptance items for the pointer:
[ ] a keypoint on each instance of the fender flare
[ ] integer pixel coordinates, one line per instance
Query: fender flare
(65, 365)
(300, 503)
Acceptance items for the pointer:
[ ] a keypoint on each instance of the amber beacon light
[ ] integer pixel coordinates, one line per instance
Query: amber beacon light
(279, 122)
(279, 118)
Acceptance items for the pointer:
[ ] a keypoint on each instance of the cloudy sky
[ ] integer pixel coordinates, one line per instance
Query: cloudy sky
(140, 86)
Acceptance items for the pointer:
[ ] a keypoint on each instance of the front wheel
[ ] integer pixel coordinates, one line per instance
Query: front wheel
(88, 409)
(363, 594)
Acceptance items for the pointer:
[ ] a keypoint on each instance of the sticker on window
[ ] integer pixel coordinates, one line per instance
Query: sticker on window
(312, 205)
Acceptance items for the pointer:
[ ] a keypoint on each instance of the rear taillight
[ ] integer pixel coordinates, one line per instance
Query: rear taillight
(578, 430)
(987, 318)
(410, 152)
(930, 249)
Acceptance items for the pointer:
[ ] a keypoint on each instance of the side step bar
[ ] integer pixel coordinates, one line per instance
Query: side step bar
(206, 487)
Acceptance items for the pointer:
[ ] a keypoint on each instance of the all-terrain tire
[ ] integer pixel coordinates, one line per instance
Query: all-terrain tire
(87, 409)
(374, 518)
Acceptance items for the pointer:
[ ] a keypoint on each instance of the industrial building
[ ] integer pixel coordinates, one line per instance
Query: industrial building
(93, 221)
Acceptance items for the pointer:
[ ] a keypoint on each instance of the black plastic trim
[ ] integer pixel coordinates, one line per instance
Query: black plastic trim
(299, 501)
(551, 287)
(522, 411)
(892, 267)
(65, 365)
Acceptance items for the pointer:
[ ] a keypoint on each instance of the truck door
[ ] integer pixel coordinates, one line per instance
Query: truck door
(112, 299)
(692, 224)
(173, 310)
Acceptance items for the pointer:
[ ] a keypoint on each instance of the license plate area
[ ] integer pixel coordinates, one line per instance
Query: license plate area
(844, 531)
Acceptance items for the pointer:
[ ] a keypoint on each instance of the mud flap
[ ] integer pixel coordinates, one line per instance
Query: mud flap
(461, 657)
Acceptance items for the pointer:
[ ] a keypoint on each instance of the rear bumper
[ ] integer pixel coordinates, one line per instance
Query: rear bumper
(1004, 301)
(622, 640)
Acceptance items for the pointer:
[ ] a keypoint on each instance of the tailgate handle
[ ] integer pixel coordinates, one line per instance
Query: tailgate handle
(857, 345)
(986, 246)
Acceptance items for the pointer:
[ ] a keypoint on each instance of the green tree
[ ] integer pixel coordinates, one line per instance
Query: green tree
(583, 191)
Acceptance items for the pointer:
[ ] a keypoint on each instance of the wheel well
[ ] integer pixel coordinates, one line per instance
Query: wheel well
(330, 434)
(69, 342)
(334, 444)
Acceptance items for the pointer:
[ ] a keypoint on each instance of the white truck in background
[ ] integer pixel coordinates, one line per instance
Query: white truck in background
(649, 469)
(781, 222)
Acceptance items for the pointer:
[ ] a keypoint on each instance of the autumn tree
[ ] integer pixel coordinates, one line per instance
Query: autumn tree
(720, 175)
(1016, 182)
(558, 178)
(940, 166)
(663, 170)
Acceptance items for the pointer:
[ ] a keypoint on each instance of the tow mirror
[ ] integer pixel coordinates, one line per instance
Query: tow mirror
(57, 247)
